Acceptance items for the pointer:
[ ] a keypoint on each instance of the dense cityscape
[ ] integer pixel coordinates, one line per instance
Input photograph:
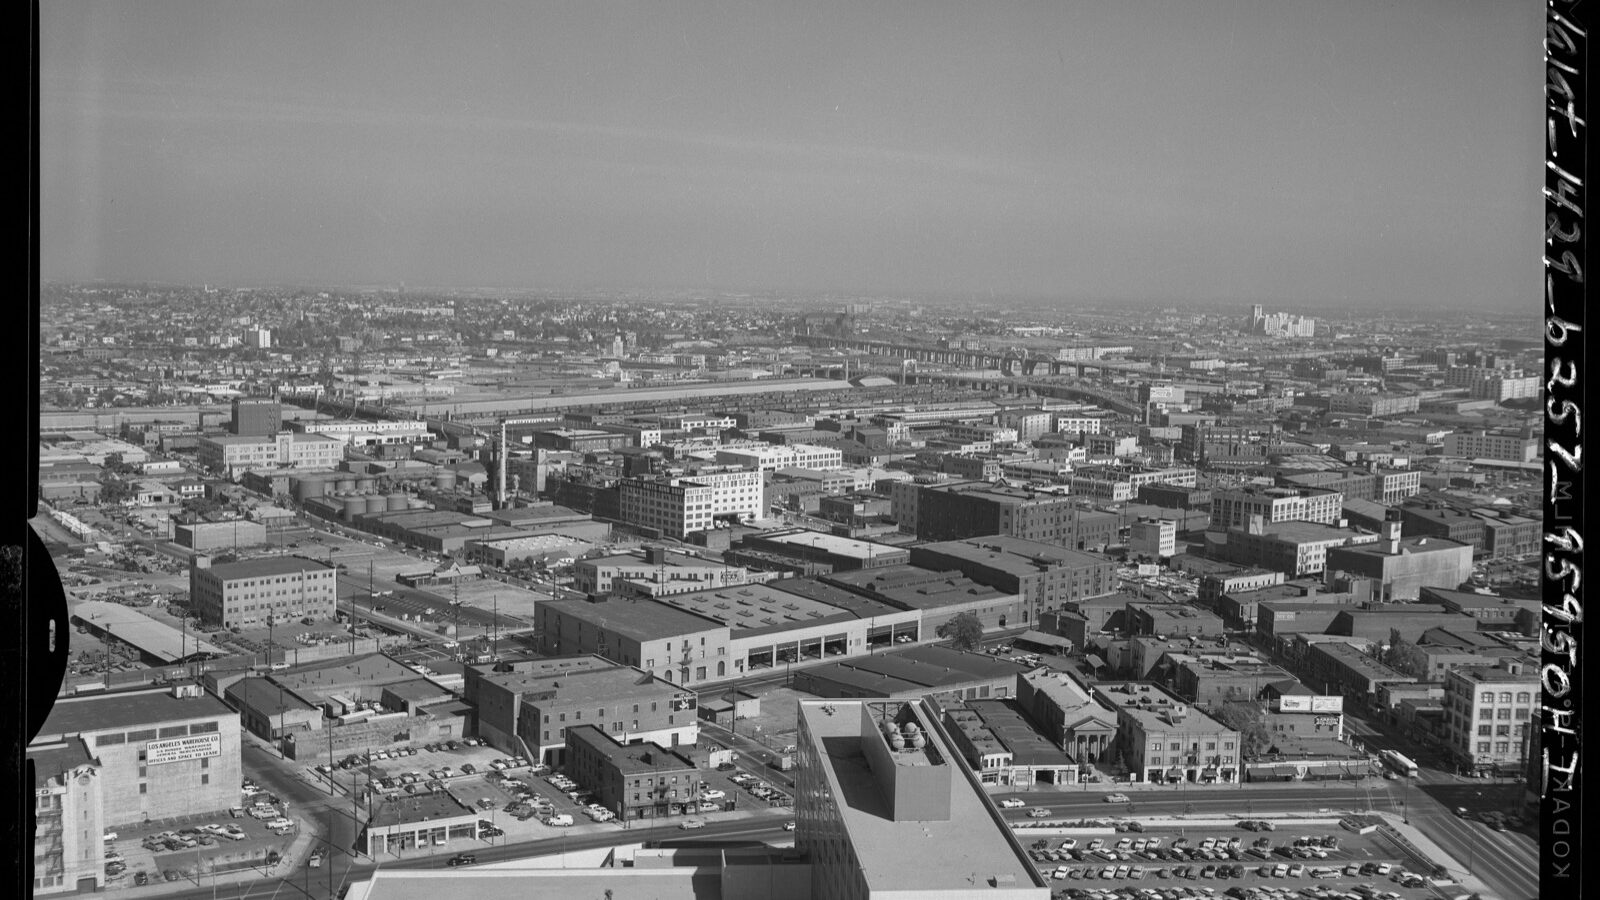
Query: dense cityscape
(803, 451)
(342, 564)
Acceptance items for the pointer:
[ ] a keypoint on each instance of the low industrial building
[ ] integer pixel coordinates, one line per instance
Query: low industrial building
(1002, 746)
(416, 821)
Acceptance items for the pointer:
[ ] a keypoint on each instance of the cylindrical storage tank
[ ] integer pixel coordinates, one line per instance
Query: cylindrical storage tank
(377, 503)
(306, 488)
(366, 483)
(395, 501)
(353, 506)
(416, 503)
(344, 485)
(445, 481)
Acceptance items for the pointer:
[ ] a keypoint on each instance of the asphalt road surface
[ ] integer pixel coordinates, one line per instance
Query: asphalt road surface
(341, 869)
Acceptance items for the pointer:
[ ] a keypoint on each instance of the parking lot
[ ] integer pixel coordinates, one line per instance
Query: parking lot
(170, 849)
(1293, 860)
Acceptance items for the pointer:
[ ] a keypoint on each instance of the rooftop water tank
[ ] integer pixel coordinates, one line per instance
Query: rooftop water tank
(445, 481)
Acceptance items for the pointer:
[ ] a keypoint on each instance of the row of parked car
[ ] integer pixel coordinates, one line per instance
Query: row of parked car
(758, 788)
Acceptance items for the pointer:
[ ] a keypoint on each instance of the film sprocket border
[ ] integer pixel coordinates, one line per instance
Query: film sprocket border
(1559, 758)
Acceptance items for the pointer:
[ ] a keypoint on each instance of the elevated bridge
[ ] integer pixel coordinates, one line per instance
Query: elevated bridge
(1012, 360)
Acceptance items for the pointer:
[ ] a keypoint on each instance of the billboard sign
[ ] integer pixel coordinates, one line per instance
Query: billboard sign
(1327, 720)
(683, 702)
(1329, 704)
(1294, 704)
(197, 746)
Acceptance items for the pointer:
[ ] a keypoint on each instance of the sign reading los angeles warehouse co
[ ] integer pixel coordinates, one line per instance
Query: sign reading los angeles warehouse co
(180, 749)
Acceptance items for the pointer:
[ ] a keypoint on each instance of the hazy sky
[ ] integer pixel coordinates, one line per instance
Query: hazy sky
(1299, 152)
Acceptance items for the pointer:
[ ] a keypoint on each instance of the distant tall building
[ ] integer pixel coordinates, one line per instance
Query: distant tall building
(257, 416)
(258, 339)
(1280, 324)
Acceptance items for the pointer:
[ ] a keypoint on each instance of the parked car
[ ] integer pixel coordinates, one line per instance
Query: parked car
(1111, 798)
(1039, 812)
(461, 859)
(689, 824)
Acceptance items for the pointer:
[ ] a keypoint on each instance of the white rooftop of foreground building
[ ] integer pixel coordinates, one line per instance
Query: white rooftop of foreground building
(968, 852)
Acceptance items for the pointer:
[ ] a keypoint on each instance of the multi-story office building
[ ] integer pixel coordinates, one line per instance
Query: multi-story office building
(526, 707)
(68, 808)
(236, 454)
(1509, 533)
(1162, 739)
(164, 753)
(1156, 538)
(1488, 711)
(1076, 423)
(1028, 423)
(258, 339)
(1280, 324)
(256, 417)
(1373, 404)
(246, 593)
(1231, 510)
(671, 507)
(1296, 549)
(1492, 445)
(1438, 520)
(788, 456)
(1046, 576)
(631, 778)
(1505, 385)
(879, 776)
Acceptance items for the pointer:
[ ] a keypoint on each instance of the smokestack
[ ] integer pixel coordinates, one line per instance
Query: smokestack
(501, 484)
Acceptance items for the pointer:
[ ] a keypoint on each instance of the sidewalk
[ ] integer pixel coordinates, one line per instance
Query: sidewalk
(1410, 834)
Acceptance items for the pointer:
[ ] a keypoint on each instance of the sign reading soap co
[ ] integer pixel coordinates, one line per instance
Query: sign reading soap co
(180, 749)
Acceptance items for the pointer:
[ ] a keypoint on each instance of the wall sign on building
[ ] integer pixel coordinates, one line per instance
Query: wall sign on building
(180, 749)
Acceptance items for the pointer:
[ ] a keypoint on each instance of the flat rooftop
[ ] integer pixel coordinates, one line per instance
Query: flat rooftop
(960, 854)
(861, 607)
(630, 759)
(913, 587)
(1028, 747)
(1014, 555)
(133, 627)
(753, 609)
(828, 543)
(641, 620)
(429, 806)
(506, 881)
(1152, 717)
(96, 713)
(267, 567)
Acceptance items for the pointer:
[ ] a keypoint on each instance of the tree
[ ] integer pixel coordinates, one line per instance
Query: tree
(964, 631)
(1250, 721)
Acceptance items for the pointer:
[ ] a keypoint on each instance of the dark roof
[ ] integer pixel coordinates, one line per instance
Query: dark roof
(259, 568)
(127, 709)
(51, 760)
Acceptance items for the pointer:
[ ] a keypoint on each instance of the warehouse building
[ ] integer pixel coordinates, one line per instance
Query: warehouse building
(167, 753)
